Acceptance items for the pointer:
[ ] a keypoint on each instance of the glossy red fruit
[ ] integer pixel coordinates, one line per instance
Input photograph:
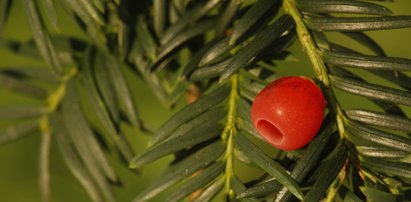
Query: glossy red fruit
(288, 112)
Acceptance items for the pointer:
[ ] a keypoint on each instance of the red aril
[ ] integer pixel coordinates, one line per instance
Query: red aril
(288, 112)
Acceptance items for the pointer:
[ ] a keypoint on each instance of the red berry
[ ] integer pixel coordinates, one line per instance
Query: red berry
(288, 112)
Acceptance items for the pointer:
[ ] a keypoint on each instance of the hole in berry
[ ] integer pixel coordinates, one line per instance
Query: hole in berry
(269, 131)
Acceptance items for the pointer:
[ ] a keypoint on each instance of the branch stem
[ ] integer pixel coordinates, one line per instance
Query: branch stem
(53, 101)
(335, 186)
(307, 42)
(229, 131)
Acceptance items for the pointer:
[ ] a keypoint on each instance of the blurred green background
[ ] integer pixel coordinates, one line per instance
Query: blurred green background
(18, 160)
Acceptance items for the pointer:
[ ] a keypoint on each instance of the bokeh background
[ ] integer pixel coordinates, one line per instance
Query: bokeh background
(19, 160)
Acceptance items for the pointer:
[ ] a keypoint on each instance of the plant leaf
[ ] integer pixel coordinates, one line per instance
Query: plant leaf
(219, 49)
(262, 189)
(380, 152)
(159, 16)
(209, 117)
(73, 160)
(145, 38)
(372, 91)
(182, 170)
(100, 110)
(198, 181)
(250, 18)
(17, 112)
(51, 13)
(328, 173)
(366, 41)
(5, 6)
(387, 106)
(247, 127)
(183, 37)
(123, 22)
(18, 131)
(244, 119)
(261, 41)
(398, 78)
(211, 191)
(187, 18)
(195, 60)
(189, 112)
(373, 135)
(247, 94)
(122, 90)
(19, 86)
(99, 5)
(80, 131)
(347, 195)
(32, 72)
(391, 168)
(367, 62)
(309, 159)
(239, 188)
(267, 164)
(150, 77)
(210, 71)
(89, 9)
(350, 24)
(67, 47)
(226, 17)
(200, 134)
(85, 142)
(93, 23)
(106, 90)
(24, 49)
(377, 195)
(380, 119)
(342, 6)
(311, 156)
(41, 37)
(395, 77)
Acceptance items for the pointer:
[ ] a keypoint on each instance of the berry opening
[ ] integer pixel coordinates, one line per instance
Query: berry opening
(269, 131)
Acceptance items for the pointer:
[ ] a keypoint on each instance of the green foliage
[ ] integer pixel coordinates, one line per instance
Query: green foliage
(227, 50)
